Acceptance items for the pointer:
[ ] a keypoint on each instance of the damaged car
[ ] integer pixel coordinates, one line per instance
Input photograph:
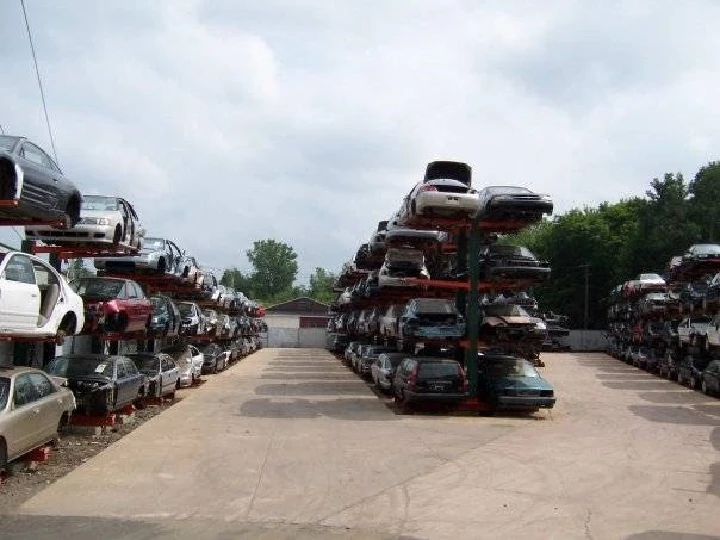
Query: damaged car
(401, 264)
(501, 261)
(160, 370)
(503, 322)
(430, 319)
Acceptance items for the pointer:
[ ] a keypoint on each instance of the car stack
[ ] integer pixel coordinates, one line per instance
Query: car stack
(670, 325)
(403, 316)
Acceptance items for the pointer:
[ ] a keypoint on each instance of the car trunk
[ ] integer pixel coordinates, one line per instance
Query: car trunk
(440, 377)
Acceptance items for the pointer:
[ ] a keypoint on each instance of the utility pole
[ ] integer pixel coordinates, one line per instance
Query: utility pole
(587, 295)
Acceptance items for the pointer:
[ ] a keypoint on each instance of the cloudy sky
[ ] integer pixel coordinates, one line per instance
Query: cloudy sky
(228, 121)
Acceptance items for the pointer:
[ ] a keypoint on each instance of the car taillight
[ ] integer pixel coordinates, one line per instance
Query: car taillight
(427, 188)
(412, 378)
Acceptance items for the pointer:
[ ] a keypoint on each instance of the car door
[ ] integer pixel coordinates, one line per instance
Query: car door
(173, 374)
(121, 383)
(39, 186)
(24, 431)
(19, 294)
(135, 379)
(48, 403)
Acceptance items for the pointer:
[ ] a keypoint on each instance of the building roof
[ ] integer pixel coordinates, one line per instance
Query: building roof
(299, 306)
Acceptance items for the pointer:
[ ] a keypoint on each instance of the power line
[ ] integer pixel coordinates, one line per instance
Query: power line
(39, 80)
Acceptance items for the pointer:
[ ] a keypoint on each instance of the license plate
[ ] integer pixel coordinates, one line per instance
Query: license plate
(453, 200)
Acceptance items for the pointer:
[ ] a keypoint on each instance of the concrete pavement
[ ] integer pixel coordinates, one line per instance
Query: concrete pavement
(292, 444)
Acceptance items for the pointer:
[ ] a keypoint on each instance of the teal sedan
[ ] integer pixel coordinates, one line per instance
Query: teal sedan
(507, 382)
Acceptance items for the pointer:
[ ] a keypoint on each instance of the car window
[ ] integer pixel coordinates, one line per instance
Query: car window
(4, 392)
(170, 363)
(121, 372)
(33, 153)
(164, 366)
(43, 386)
(19, 269)
(43, 276)
(131, 290)
(130, 368)
(24, 391)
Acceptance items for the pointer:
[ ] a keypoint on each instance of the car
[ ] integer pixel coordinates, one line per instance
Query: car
(113, 304)
(429, 380)
(160, 370)
(339, 344)
(639, 356)
(32, 410)
(693, 330)
(400, 264)
(157, 255)
(373, 321)
(389, 321)
(36, 185)
(653, 302)
(363, 257)
(632, 350)
(165, 320)
(213, 359)
(108, 221)
(377, 240)
(651, 282)
(382, 370)
(701, 256)
(441, 197)
(363, 322)
(193, 320)
(502, 322)
(211, 321)
(689, 370)
(36, 300)
(652, 361)
(710, 382)
(351, 351)
(189, 361)
(500, 261)
(367, 357)
(372, 284)
(227, 326)
(429, 319)
(102, 384)
(513, 203)
(694, 294)
(508, 382)
(667, 366)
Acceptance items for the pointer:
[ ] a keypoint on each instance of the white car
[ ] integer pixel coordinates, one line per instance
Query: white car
(36, 300)
(197, 358)
(443, 197)
(192, 317)
(103, 220)
(189, 362)
(713, 332)
(650, 281)
(692, 329)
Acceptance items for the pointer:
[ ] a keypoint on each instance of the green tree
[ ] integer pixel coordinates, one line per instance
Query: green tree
(275, 268)
(232, 277)
(705, 205)
(321, 286)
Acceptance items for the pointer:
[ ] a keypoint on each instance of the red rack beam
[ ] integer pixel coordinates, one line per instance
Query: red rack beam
(67, 252)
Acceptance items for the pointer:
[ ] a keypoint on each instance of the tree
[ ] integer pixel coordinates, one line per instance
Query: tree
(321, 285)
(76, 270)
(705, 211)
(232, 277)
(275, 268)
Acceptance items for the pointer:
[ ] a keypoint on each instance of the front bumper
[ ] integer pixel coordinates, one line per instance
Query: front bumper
(79, 234)
(185, 379)
(436, 332)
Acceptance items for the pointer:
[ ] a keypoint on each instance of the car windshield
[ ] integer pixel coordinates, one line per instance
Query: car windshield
(98, 203)
(509, 367)
(4, 392)
(433, 305)
(80, 366)
(98, 288)
(438, 369)
(153, 244)
(706, 249)
(700, 320)
(7, 143)
(146, 363)
(185, 309)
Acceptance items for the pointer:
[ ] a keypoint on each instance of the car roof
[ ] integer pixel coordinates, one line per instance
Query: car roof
(9, 371)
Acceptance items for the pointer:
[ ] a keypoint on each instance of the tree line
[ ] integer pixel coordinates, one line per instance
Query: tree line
(272, 278)
(619, 240)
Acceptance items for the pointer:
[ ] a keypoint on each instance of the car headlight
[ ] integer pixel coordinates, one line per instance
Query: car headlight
(95, 221)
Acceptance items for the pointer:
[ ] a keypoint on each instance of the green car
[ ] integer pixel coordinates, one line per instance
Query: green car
(507, 382)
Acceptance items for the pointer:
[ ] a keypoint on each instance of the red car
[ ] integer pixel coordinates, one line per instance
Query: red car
(113, 305)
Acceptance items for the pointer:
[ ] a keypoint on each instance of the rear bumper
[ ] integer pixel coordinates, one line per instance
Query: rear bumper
(431, 397)
(525, 402)
(440, 201)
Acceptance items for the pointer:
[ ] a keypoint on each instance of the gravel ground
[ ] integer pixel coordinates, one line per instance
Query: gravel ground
(71, 451)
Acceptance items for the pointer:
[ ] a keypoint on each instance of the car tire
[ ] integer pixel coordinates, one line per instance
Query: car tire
(117, 236)
(162, 266)
(66, 328)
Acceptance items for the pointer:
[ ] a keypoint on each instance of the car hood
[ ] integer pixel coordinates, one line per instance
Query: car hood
(90, 378)
(110, 214)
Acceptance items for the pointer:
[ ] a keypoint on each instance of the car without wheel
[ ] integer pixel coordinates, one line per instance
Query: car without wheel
(189, 361)
(211, 321)
(377, 240)
(160, 370)
(157, 255)
(710, 383)
(193, 320)
(507, 382)
(351, 351)
(103, 220)
(36, 185)
(383, 370)
(213, 361)
(36, 300)
(429, 318)
(513, 203)
(400, 264)
(693, 330)
(442, 197)
(32, 410)
(506, 321)
(113, 305)
(165, 320)
(102, 384)
(501, 261)
(429, 380)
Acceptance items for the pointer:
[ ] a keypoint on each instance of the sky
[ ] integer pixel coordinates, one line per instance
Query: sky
(307, 121)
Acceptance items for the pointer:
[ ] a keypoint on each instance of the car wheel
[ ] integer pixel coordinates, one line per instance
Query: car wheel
(692, 383)
(162, 265)
(3, 455)
(66, 328)
(64, 421)
(140, 399)
(705, 388)
(117, 236)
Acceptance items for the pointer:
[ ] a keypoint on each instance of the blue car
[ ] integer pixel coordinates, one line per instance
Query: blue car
(507, 382)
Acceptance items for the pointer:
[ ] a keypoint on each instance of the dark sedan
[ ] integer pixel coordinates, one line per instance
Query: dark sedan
(710, 383)
(161, 372)
(513, 262)
(429, 380)
(513, 203)
(213, 359)
(690, 370)
(507, 382)
(166, 319)
(101, 384)
(30, 178)
(367, 356)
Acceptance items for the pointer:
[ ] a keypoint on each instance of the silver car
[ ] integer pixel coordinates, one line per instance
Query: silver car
(103, 220)
(157, 255)
(32, 407)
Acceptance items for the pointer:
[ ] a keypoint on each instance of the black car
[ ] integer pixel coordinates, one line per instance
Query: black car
(667, 366)
(363, 257)
(339, 344)
(513, 203)
(429, 380)
(710, 383)
(33, 180)
(214, 359)
(507, 382)
(690, 370)
(102, 384)
(513, 262)
(160, 370)
(368, 355)
(166, 319)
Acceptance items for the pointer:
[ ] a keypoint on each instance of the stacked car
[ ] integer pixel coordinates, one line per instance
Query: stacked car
(670, 325)
(402, 314)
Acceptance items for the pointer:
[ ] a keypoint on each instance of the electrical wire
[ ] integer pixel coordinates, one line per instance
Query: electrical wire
(39, 80)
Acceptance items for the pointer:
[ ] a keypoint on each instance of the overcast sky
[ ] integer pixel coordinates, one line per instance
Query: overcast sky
(229, 121)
